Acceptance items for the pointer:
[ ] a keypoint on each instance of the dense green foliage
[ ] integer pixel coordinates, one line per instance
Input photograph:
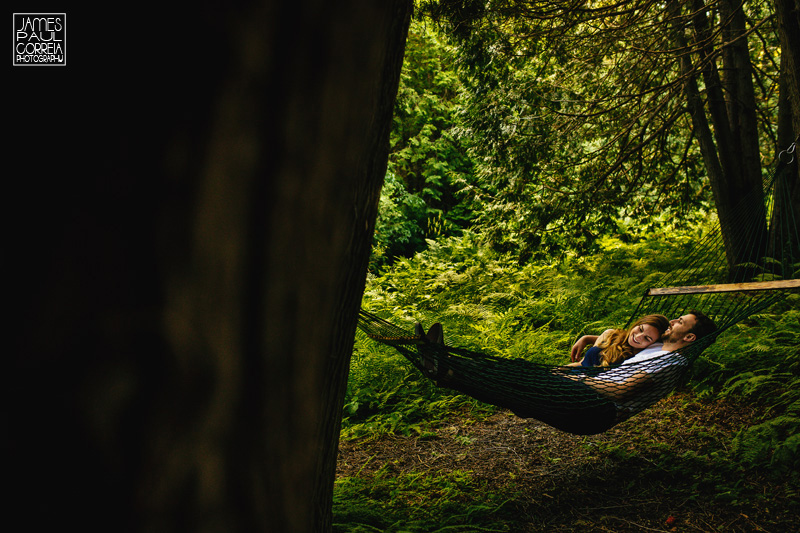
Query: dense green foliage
(759, 363)
(489, 301)
(575, 112)
(543, 172)
(545, 127)
(428, 168)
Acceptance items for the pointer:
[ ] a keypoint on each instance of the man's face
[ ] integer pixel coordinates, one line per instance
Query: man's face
(679, 328)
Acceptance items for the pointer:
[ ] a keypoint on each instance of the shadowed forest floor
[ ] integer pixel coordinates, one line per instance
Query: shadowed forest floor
(667, 469)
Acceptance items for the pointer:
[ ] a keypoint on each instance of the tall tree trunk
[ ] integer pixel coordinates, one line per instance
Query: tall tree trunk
(187, 288)
(731, 157)
(787, 13)
(787, 205)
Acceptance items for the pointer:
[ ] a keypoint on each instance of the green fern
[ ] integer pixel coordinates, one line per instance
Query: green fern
(774, 444)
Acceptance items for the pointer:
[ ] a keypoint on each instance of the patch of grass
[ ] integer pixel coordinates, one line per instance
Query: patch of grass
(419, 502)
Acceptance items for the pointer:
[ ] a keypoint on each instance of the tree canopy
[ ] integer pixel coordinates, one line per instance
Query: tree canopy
(588, 118)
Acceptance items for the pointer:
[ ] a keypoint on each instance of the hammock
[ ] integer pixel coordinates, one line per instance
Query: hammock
(707, 281)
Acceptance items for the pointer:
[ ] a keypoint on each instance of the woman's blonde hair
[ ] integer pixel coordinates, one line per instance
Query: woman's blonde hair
(615, 348)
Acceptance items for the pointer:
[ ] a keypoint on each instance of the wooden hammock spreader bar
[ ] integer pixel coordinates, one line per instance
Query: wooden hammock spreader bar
(727, 287)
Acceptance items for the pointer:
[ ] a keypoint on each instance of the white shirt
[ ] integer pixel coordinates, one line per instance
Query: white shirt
(649, 360)
(664, 367)
(654, 350)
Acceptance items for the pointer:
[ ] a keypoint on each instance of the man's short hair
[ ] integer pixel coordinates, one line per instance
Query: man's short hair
(703, 325)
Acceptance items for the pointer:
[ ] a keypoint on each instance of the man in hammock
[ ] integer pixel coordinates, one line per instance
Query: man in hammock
(615, 383)
(623, 382)
(569, 399)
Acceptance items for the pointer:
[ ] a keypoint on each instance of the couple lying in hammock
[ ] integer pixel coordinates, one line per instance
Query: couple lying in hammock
(641, 345)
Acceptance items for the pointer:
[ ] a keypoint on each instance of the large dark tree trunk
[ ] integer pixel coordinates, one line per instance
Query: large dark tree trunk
(725, 125)
(787, 205)
(191, 228)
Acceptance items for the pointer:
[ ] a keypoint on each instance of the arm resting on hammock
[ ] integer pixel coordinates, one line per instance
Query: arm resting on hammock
(618, 390)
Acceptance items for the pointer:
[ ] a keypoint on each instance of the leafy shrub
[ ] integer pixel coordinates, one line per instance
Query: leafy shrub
(759, 362)
(774, 444)
(399, 228)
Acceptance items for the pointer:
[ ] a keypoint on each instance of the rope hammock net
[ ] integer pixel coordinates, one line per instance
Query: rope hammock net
(764, 240)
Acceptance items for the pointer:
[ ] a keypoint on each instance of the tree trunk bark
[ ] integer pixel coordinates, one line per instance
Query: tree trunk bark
(732, 160)
(787, 204)
(187, 290)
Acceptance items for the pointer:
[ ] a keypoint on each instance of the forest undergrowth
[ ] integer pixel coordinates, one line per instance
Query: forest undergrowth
(721, 454)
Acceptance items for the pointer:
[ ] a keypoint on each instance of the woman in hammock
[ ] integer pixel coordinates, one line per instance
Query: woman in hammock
(580, 402)
(614, 346)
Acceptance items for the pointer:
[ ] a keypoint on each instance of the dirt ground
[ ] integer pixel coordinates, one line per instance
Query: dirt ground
(659, 471)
